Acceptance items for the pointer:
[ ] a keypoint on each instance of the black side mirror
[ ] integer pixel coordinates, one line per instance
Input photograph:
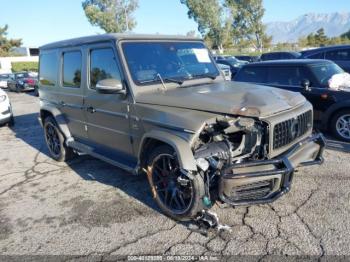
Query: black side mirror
(305, 83)
(110, 86)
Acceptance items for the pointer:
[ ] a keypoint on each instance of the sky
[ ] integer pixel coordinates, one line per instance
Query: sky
(38, 22)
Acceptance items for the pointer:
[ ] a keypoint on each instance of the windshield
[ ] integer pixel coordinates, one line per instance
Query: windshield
(324, 72)
(170, 60)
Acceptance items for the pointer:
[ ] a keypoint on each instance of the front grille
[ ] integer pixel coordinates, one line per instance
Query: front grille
(286, 132)
(252, 191)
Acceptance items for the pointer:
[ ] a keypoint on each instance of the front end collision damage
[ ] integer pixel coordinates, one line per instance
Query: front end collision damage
(232, 155)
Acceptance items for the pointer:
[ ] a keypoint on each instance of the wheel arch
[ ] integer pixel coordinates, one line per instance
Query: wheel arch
(181, 147)
(332, 111)
(48, 110)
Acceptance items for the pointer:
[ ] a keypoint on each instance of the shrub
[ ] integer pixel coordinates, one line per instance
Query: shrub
(24, 66)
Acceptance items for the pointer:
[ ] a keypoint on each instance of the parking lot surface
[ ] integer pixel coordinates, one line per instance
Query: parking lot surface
(89, 208)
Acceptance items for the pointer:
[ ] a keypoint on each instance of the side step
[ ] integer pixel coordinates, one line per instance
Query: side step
(85, 149)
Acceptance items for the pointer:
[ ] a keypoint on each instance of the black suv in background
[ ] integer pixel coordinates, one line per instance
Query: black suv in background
(279, 56)
(309, 77)
(338, 54)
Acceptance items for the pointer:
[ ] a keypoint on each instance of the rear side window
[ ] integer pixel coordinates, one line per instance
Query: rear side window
(338, 55)
(48, 69)
(72, 69)
(252, 74)
(289, 76)
(316, 56)
(103, 65)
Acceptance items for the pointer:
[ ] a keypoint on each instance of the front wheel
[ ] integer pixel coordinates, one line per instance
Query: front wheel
(340, 125)
(178, 196)
(55, 141)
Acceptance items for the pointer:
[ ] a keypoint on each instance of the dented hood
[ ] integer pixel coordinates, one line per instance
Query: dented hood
(226, 97)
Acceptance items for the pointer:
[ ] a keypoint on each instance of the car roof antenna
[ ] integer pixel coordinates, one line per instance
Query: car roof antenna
(161, 80)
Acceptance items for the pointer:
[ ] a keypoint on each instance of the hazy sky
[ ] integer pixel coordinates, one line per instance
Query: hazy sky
(39, 22)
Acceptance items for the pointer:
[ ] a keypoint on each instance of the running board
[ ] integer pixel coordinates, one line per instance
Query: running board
(90, 151)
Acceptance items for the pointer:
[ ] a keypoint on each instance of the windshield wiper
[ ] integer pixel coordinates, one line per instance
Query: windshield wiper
(159, 78)
(208, 75)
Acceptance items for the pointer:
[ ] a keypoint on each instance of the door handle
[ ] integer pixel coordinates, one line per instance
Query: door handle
(90, 109)
(63, 103)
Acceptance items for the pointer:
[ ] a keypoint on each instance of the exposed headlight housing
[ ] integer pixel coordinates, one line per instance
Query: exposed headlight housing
(3, 98)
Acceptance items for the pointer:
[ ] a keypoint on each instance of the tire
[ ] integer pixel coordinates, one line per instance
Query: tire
(55, 141)
(163, 183)
(17, 89)
(36, 91)
(11, 122)
(341, 121)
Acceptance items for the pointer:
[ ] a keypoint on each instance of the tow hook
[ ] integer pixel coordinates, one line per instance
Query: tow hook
(209, 220)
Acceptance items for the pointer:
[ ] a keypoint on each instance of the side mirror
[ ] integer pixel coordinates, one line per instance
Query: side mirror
(110, 86)
(305, 83)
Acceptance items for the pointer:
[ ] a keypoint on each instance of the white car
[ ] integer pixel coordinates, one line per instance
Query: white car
(6, 115)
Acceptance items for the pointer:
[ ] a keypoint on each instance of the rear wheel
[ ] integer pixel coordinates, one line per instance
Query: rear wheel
(178, 196)
(340, 125)
(55, 141)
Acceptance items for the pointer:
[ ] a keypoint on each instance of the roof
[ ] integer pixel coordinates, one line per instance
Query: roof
(290, 62)
(325, 48)
(112, 37)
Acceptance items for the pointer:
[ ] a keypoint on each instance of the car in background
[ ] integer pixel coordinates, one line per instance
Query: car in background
(248, 58)
(4, 78)
(338, 54)
(310, 78)
(6, 115)
(225, 69)
(230, 61)
(23, 81)
(279, 56)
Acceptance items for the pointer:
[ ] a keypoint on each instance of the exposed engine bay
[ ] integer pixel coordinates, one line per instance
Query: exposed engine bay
(229, 141)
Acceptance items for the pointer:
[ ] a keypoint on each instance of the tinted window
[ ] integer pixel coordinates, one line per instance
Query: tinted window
(271, 56)
(252, 74)
(316, 56)
(324, 72)
(175, 60)
(289, 76)
(72, 69)
(103, 65)
(48, 69)
(338, 55)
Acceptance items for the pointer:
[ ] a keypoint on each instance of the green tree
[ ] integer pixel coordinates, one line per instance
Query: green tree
(113, 16)
(320, 37)
(247, 22)
(213, 23)
(7, 44)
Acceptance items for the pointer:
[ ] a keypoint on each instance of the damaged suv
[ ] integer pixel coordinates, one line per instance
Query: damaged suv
(159, 105)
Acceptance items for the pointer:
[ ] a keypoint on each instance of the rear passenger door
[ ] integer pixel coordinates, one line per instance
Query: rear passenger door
(107, 115)
(71, 94)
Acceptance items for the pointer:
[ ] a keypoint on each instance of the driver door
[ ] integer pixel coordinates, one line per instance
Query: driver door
(107, 115)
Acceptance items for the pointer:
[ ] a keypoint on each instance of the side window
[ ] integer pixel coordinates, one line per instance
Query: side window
(338, 55)
(103, 66)
(289, 76)
(252, 74)
(317, 56)
(71, 71)
(48, 69)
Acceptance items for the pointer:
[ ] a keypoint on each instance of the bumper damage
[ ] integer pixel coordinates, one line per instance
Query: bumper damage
(259, 182)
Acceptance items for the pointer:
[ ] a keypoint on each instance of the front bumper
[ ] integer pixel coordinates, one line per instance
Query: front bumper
(260, 182)
(5, 115)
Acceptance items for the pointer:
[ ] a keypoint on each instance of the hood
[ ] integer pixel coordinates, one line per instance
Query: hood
(228, 97)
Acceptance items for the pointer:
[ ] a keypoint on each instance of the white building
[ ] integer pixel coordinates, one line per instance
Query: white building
(27, 54)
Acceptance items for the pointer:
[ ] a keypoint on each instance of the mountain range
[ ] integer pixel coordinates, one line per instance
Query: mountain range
(334, 24)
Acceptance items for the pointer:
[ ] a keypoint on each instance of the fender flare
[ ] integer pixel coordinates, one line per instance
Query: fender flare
(181, 147)
(332, 109)
(59, 117)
